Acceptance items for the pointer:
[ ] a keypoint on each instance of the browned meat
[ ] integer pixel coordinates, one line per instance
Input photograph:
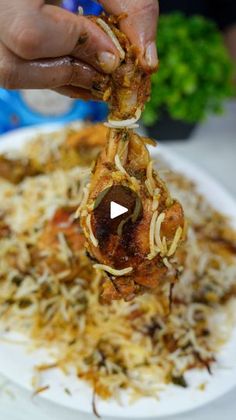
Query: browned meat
(85, 144)
(62, 248)
(135, 248)
(80, 149)
(5, 230)
(128, 88)
(63, 223)
(15, 171)
(123, 174)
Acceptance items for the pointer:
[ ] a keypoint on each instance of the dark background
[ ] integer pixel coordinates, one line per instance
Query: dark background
(223, 12)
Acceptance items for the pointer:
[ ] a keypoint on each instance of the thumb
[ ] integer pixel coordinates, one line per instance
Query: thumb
(139, 25)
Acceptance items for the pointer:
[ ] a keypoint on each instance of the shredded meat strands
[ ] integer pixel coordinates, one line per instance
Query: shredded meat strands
(128, 88)
(133, 255)
(53, 297)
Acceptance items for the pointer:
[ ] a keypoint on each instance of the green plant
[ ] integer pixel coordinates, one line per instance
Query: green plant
(195, 74)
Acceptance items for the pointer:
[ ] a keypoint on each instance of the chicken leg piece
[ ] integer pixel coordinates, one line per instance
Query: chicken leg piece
(135, 249)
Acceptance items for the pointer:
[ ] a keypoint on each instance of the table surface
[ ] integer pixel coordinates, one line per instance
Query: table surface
(212, 147)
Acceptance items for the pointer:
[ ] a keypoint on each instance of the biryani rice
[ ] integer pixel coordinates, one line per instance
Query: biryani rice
(124, 345)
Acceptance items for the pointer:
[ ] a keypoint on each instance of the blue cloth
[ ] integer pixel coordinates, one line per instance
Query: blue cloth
(15, 113)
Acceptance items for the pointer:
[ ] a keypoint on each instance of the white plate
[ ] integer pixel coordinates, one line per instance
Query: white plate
(16, 363)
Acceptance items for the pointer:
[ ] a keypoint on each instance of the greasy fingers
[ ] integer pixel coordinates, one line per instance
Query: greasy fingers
(16, 73)
(140, 26)
(36, 41)
(75, 92)
(33, 30)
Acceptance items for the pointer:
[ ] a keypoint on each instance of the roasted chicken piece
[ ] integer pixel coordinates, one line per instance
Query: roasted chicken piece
(61, 248)
(79, 148)
(86, 144)
(15, 170)
(134, 249)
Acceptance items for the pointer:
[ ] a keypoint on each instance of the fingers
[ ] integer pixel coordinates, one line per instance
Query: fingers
(140, 26)
(75, 93)
(33, 30)
(16, 73)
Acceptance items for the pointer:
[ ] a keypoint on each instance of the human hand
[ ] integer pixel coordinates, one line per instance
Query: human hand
(44, 46)
(140, 26)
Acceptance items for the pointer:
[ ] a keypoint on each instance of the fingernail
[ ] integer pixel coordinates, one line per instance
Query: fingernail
(107, 61)
(151, 55)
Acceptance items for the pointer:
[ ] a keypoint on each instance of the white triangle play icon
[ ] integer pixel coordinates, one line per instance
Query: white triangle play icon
(116, 210)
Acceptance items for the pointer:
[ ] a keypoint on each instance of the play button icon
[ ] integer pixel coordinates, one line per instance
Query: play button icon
(117, 210)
